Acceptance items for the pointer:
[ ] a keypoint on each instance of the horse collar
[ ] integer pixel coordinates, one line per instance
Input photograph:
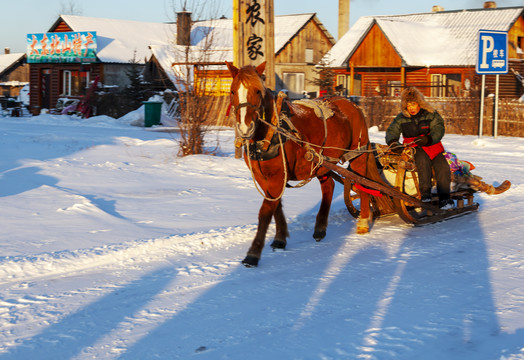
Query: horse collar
(257, 150)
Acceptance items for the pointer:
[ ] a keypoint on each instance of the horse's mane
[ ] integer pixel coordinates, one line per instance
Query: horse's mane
(250, 78)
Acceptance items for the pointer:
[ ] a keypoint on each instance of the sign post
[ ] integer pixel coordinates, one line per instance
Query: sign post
(492, 59)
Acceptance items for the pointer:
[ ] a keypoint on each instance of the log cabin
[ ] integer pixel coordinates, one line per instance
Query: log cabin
(434, 51)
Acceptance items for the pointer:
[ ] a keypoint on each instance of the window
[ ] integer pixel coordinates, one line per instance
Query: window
(394, 88)
(341, 88)
(294, 83)
(74, 83)
(309, 56)
(66, 83)
(445, 85)
(438, 82)
(341, 80)
(357, 85)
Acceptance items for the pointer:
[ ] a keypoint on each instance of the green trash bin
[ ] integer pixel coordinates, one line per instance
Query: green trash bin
(152, 110)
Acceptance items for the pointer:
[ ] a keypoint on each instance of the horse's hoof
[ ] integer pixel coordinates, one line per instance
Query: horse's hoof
(250, 261)
(362, 230)
(278, 244)
(362, 226)
(319, 235)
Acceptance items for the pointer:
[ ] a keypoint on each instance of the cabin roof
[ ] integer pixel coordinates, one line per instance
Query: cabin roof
(120, 41)
(445, 38)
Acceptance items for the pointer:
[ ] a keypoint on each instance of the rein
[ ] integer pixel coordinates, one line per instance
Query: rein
(266, 143)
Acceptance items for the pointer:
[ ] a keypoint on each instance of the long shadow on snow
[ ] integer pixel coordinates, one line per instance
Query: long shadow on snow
(439, 303)
(80, 330)
(306, 302)
(348, 297)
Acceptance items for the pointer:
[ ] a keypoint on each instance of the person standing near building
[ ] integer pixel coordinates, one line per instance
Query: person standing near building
(422, 127)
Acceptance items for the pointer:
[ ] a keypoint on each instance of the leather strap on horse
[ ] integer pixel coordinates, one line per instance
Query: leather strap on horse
(271, 131)
(352, 154)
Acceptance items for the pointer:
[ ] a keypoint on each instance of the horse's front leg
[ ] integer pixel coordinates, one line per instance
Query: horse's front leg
(264, 219)
(280, 240)
(327, 186)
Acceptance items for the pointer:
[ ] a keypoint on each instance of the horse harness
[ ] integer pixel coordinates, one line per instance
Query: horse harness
(282, 129)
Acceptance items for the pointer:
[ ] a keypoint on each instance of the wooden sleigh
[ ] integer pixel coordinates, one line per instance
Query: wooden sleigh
(398, 191)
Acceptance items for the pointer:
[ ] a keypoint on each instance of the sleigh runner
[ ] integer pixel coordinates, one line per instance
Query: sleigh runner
(398, 191)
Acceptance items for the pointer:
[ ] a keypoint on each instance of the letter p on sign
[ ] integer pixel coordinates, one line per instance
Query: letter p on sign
(487, 46)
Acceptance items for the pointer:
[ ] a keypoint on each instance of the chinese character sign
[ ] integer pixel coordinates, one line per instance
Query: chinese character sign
(254, 34)
(255, 20)
(63, 47)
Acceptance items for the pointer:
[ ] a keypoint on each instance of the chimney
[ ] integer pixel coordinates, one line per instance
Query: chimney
(343, 17)
(490, 5)
(437, 8)
(183, 28)
(7, 51)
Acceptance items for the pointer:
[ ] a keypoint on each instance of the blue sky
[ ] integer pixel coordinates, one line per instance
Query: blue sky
(20, 17)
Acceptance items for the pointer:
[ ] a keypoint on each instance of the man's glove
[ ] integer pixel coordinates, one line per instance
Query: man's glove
(423, 140)
(396, 147)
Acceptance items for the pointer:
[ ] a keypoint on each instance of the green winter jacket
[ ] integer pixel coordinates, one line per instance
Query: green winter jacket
(424, 123)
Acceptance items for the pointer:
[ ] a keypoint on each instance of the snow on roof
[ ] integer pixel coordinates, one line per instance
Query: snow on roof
(221, 30)
(6, 60)
(287, 26)
(220, 35)
(447, 38)
(117, 40)
(172, 59)
(339, 54)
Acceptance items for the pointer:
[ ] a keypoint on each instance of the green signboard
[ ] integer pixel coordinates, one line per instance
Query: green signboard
(62, 47)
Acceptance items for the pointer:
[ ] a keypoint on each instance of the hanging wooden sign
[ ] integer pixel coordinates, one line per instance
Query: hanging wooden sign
(254, 40)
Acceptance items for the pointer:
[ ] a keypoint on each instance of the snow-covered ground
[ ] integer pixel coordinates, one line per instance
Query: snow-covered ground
(112, 247)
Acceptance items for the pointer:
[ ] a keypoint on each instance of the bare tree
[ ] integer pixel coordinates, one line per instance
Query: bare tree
(196, 59)
(70, 8)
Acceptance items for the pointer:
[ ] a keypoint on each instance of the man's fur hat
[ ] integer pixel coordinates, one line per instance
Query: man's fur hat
(412, 94)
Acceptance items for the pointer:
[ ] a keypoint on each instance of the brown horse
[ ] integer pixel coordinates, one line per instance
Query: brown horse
(275, 159)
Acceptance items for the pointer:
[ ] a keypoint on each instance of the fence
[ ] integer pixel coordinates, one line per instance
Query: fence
(461, 115)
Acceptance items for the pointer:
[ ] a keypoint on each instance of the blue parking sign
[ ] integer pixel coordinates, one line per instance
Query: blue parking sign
(492, 52)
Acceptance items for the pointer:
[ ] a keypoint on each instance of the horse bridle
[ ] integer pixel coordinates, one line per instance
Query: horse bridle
(258, 111)
(249, 105)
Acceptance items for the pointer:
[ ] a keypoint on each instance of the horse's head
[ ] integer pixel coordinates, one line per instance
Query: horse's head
(247, 97)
